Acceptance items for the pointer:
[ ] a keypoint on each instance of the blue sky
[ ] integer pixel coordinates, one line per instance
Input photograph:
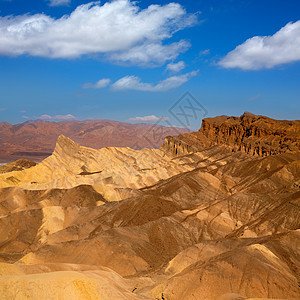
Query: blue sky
(126, 60)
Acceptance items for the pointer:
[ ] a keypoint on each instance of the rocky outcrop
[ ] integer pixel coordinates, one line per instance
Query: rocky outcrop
(254, 135)
(18, 165)
(109, 169)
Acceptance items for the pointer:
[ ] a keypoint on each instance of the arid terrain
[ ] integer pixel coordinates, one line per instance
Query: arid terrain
(35, 140)
(212, 214)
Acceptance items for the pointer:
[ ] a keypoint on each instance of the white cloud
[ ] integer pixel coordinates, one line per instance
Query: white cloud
(205, 52)
(102, 83)
(56, 117)
(265, 52)
(151, 118)
(176, 67)
(151, 52)
(135, 83)
(59, 2)
(119, 29)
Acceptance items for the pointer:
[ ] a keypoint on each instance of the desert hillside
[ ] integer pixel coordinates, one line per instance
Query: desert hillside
(210, 215)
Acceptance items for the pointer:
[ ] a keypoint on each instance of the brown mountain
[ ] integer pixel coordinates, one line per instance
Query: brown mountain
(36, 139)
(196, 219)
(255, 135)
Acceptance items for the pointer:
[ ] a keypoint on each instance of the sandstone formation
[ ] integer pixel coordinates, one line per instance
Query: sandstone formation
(36, 140)
(18, 165)
(205, 222)
(255, 135)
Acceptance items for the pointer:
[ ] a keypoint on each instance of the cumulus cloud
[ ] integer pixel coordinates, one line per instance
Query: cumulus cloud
(102, 83)
(59, 2)
(119, 29)
(135, 83)
(56, 117)
(265, 52)
(176, 67)
(151, 118)
(154, 52)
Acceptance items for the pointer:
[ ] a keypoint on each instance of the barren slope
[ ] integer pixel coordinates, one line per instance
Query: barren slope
(209, 224)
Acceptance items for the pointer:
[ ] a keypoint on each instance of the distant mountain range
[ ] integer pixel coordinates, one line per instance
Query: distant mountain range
(36, 139)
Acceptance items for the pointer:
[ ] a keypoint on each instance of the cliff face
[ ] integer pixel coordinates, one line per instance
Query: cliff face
(254, 135)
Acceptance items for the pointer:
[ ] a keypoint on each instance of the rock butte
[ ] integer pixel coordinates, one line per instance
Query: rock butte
(210, 215)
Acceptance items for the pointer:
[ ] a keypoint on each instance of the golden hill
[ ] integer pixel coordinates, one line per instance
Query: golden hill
(117, 223)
